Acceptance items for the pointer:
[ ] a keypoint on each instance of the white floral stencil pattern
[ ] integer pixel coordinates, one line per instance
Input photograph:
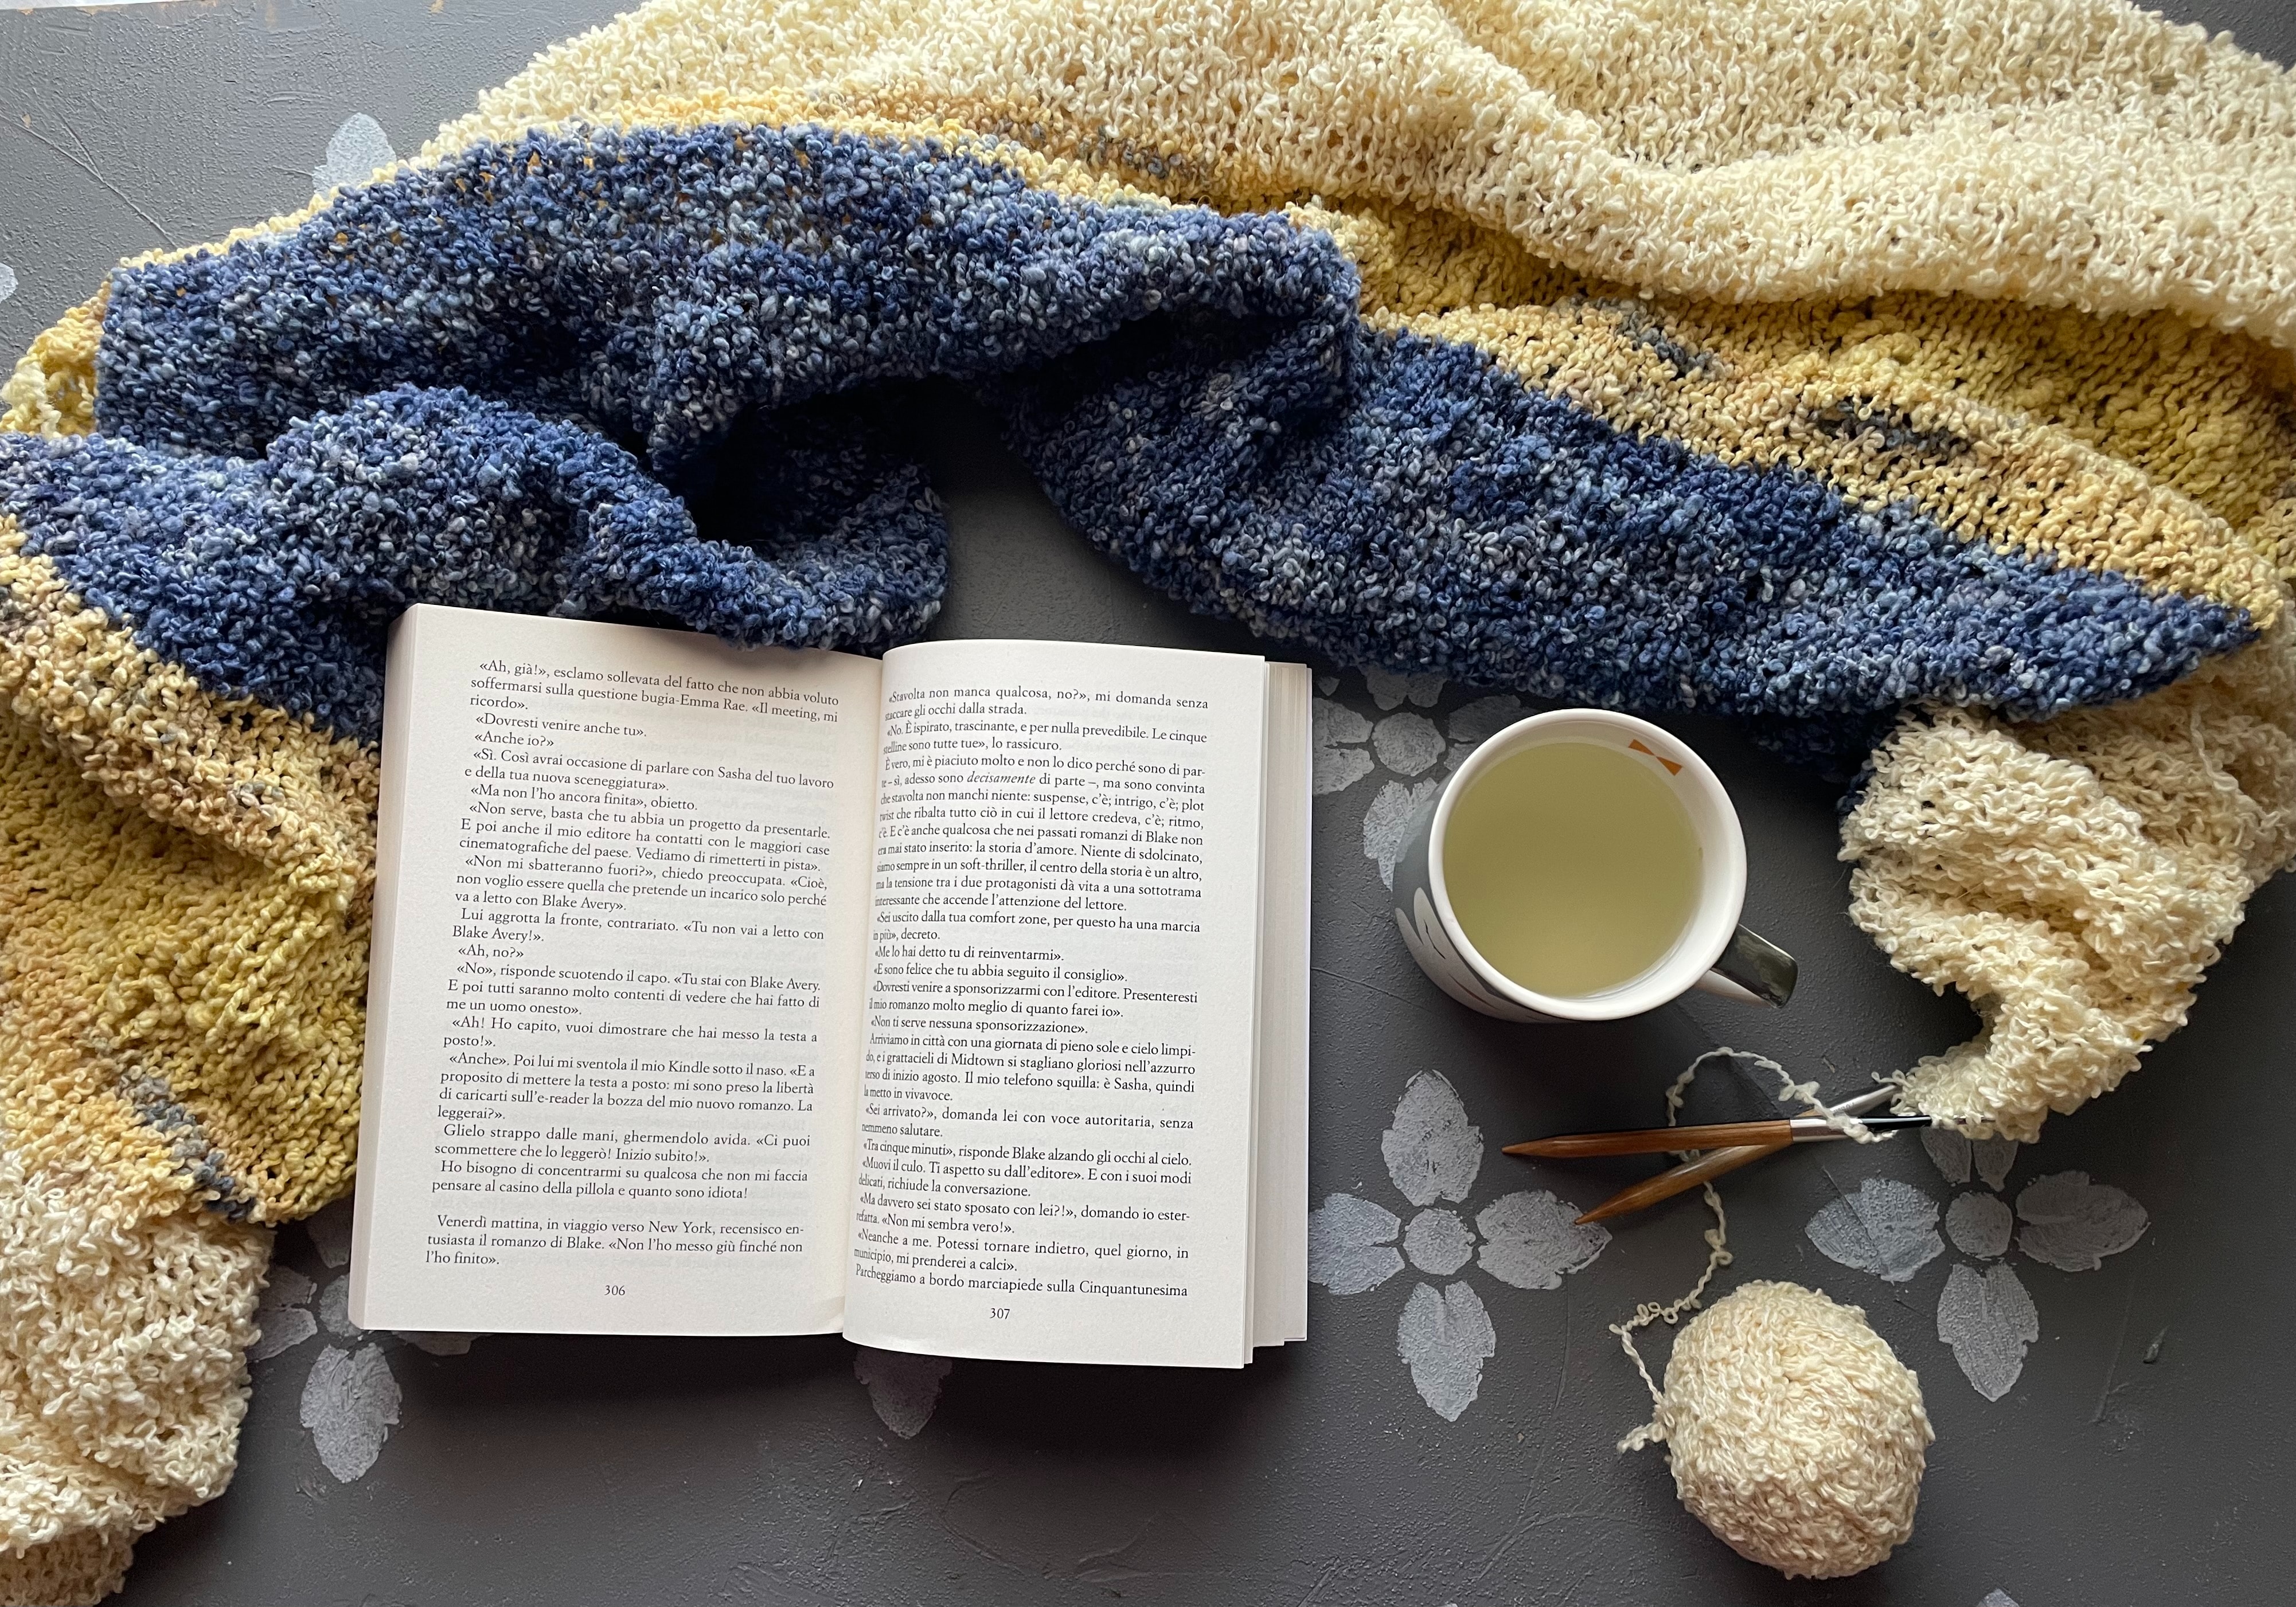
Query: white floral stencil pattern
(1413, 751)
(1980, 1225)
(1433, 1154)
(1337, 734)
(1888, 1228)
(1985, 1316)
(2073, 1225)
(350, 1405)
(350, 1397)
(1987, 1319)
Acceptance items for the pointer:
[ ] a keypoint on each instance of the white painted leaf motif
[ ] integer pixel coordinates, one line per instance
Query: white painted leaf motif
(1388, 689)
(1479, 720)
(1980, 1225)
(350, 1404)
(1948, 1151)
(2073, 1225)
(357, 148)
(1338, 767)
(1438, 1242)
(904, 1388)
(279, 1332)
(1994, 1158)
(1988, 1319)
(1433, 1151)
(335, 1311)
(437, 1343)
(281, 1321)
(7, 282)
(283, 1286)
(1888, 1228)
(1351, 1244)
(1407, 743)
(1530, 1241)
(1331, 721)
(1445, 1338)
(1387, 823)
(1997, 1598)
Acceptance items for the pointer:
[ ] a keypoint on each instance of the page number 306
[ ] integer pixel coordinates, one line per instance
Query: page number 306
(616, 1288)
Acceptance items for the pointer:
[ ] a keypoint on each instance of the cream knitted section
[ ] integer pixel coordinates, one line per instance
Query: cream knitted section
(2074, 879)
(76, 1571)
(2062, 153)
(121, 1379)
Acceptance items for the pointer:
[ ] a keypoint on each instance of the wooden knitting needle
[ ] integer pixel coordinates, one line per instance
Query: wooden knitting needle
(1714, 1163)
(1675, 1180)
(1724, 1134)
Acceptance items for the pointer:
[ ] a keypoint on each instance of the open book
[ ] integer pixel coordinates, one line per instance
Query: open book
(957, 1001)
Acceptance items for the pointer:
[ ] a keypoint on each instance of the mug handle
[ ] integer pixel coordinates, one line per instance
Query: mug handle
(1753, 969)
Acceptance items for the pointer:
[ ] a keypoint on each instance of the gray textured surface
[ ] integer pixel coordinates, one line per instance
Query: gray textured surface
(2142, 1457)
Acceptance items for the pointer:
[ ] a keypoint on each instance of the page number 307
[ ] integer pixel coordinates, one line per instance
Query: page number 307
(1000, 1312)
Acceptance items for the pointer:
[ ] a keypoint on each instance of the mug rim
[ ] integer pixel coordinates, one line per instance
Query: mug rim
(1675, 975)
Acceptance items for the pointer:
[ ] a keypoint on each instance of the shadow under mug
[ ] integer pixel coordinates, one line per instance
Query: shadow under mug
(1714, 953)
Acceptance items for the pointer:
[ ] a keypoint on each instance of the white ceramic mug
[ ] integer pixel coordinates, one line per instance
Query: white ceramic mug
(1714, 953)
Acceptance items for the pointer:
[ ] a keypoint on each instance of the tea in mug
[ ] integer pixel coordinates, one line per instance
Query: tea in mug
(1573, 868)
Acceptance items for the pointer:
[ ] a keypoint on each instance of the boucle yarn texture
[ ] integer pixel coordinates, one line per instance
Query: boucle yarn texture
(2076, 878)
(1920, 398)
(1793, 1431)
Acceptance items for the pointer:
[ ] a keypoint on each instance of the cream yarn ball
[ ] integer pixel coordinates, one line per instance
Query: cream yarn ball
(1795, 1433)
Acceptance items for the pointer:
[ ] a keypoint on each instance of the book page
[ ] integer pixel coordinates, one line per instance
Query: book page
(613, 1032)
(1057, 1107)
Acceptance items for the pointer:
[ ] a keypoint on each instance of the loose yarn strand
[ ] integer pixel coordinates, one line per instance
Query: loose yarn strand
(1806, 1092)
(1717, 1255)
(1717, 1237)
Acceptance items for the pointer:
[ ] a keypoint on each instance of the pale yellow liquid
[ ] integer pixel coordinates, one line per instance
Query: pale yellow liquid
(1573, 868)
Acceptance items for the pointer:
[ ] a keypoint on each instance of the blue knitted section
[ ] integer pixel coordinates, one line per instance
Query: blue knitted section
(278, 578)
(1453, 520)
(1196, 392)
(661, 284)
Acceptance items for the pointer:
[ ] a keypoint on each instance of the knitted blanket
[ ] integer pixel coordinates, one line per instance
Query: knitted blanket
(1907, 379)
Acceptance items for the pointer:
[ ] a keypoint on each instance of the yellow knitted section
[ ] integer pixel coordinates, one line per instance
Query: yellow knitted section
(53, 389)
(184, 896)
(184, 888)
(2140, 445)
(2074, 879)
